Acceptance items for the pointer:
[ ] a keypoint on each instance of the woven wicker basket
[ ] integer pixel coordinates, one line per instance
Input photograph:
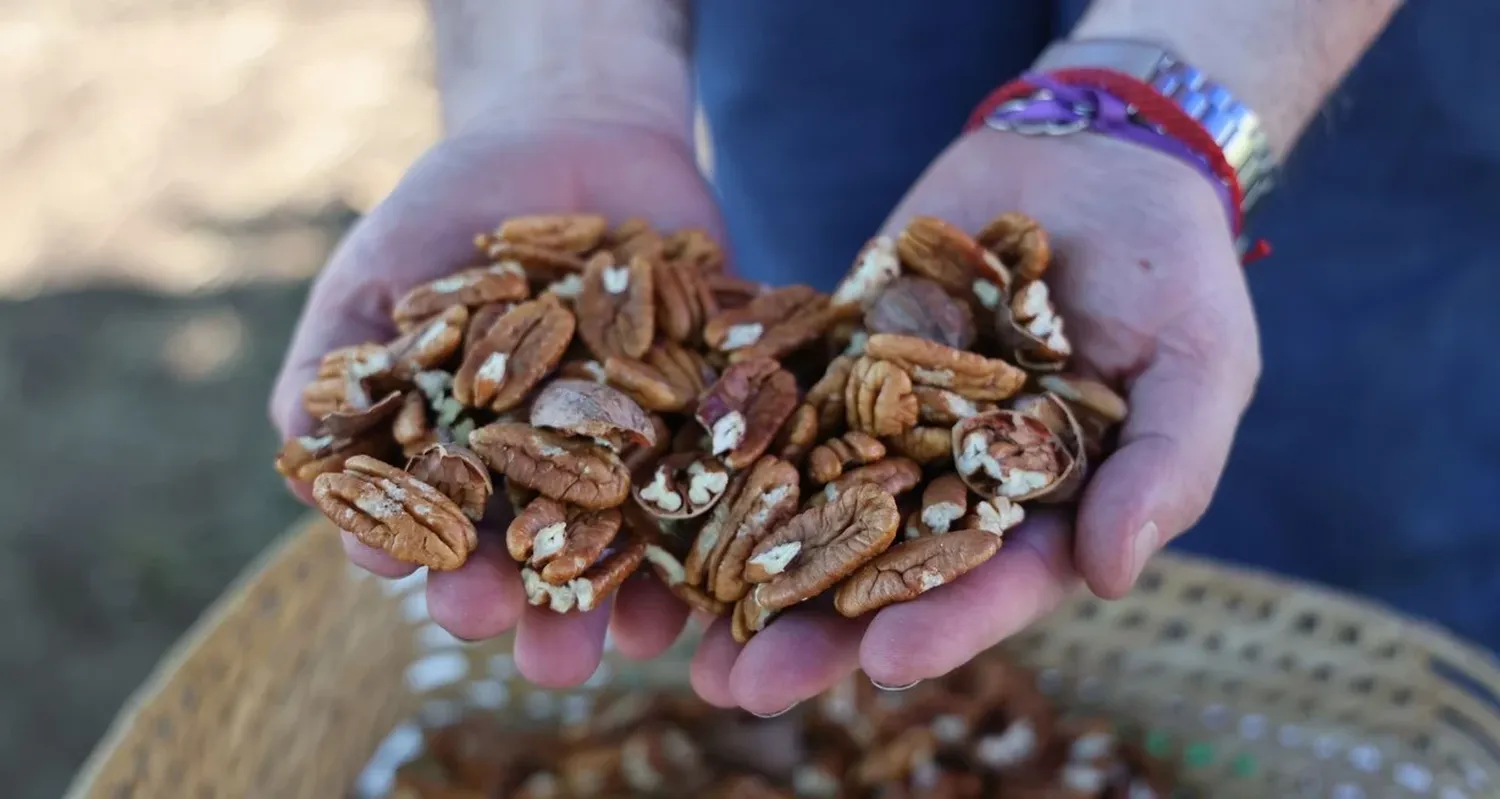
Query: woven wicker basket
(308, 671)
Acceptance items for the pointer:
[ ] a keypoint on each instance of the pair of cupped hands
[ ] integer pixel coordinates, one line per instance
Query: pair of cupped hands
(1147, 277)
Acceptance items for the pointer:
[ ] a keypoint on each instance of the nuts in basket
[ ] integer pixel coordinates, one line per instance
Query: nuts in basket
(984, 730)
(751, 448)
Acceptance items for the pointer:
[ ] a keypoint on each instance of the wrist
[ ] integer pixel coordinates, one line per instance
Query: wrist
(518, 66)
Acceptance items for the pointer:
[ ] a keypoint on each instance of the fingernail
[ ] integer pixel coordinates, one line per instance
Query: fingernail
(894, 688)
(782, 712)
(1145, 545)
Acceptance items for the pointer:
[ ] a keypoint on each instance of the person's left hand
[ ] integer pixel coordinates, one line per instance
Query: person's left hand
(1147, 279)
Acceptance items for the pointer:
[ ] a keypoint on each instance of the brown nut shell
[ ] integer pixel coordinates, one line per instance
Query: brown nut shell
(591, 410)
(388, 509)
(919, 307)
(822, 545)
(1009, 454)
(1032, 328)
(567, 469)
(458, 473)
(912, 568)
(683, 485)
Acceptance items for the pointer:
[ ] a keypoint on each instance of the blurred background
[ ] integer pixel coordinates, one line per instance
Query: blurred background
(174, 172)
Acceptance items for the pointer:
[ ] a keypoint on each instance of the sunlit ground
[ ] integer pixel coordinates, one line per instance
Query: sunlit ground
(171, 174)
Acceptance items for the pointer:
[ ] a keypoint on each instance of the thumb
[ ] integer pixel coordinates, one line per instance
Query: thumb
(1184, 409)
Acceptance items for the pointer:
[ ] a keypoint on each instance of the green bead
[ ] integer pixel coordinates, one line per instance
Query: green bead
(1244, 766)
(1198, 755)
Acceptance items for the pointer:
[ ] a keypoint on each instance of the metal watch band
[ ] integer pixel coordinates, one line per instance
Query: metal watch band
(1235, 127)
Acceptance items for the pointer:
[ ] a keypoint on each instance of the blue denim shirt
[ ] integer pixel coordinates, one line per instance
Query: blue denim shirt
(1370, 458)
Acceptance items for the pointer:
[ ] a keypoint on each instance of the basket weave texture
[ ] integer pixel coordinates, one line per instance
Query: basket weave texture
(1257, 687)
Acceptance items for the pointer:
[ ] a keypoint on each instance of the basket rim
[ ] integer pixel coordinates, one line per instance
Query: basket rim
(1430, 637)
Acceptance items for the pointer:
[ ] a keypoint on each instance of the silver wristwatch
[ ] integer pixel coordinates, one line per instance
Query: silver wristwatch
(1235, 128)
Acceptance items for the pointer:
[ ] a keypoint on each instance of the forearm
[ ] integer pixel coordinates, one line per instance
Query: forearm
(520, 61)
(1280, 57)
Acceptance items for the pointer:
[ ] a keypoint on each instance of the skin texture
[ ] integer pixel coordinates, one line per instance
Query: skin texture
(566, 106)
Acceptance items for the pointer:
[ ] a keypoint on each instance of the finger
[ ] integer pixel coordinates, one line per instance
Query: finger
(948, 626)
(712, 663)
(373, 560)
(647, 620)
(1173, 447)
(798, 656)
(481, 599)
(560, 650)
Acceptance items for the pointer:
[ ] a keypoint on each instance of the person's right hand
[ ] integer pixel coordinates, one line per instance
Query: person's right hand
(463, 186)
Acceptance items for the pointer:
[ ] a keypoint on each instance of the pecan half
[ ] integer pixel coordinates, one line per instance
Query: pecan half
(1009, 454)
(932, 364)
(1020, 242)
(617, 306)
(344, 378)
(634, 236)
(502, 282)
(894, 475)
(874, 268)
(732, 292)
(745, 407)
(994, 516)
(946, 255)
(683, 300)
(915, 306)
(772, 325)
(597, 583)
(923, 444)
(749, 617)
(637, 457)
(572, 233)
(945, 500)
(682, 486)
(591, 410)
(1031, 327)
(430, 344)
(567, 469)
(411, 428)
(669, 569)
(797, 434)
(560, 542)
(305, 457)
(943, 407)
(827, 395)
(878, 398)
(912, 568)
(820, 546)
(458, 473)
(668, 377)
(519, 350)
(756, 502)
(1059, 417)
(386, 508)
(352, 422)
(1090, 396)
(829, 459)
(694, 247)
(481, 319)
(746, 786)
(896, 759)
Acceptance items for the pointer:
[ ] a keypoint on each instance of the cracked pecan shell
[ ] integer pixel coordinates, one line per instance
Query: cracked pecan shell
(456, 472)
(567, 469)
(591, 410)
(1009, 454)
(386, 508)
(914, 306)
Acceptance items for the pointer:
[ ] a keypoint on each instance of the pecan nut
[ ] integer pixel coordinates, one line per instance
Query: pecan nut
(894, 475)
(771, 325)
(305, 457)
(456, 472)
(635, 236)
(923, 444)
(617, 306)
(874, 269)
(1020, 243)
(932, 364)
(878, 399)
(667, 378)
(591, 410)
(745, 408)
(597, 583)
(430, 344)
(945, 500)
(353, 422)
(683, 301)
(995, 516)
(756, 503)
(570, 233)
(388, 509)
(912, 568)
(1059, 417)
(694, 247)
(797, 434)
(559, 542)
(732, 292)
(1009, 454)
(682, 486)
(344, 379)
(829, 459)
(496, 283)
(570, 470)
(411, 428)
(821, 546)
(1091, 397)
(748, 618)
(915, 306)
(1032, 328)
(519, 350)
(827, 395)
(669, 569)
(943, 407)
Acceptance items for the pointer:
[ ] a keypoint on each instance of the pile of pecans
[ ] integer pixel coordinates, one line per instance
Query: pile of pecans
(753, 447)
(982, 731)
